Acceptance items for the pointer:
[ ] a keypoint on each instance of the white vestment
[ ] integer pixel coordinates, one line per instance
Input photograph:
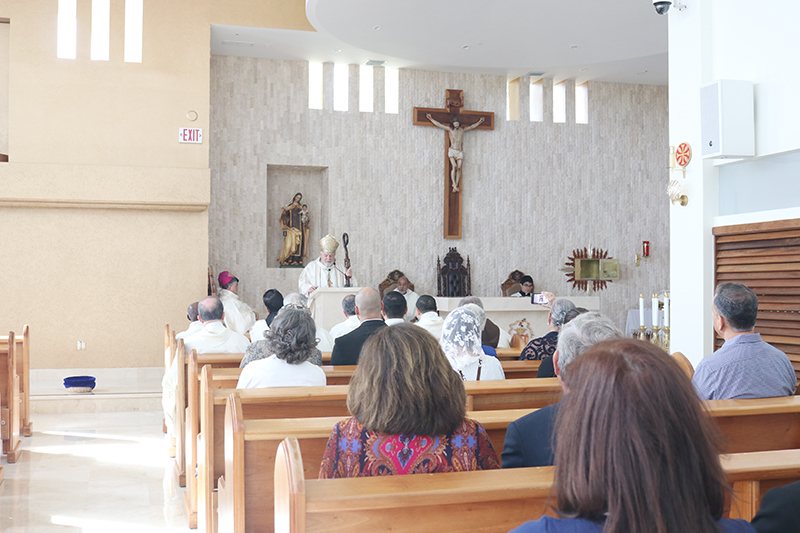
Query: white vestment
(411, 303)
(315, 274)
(325, 339)
(258, 330)
(213, 337)
(193, 328)
(343, 328)
(393, 321)
(431, 322)
(238, 315)
(504, 341)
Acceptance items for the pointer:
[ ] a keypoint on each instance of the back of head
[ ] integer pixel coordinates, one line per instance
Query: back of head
(368, 303)
(296, 299)
(574, 313)
(560, 308)
(349, 305)
(292, 335)
(479, 312)
(394, 305)
(580, 334)
(192, 312)
(426, 303)
(273, 300)
(737, 304)
(634, 446)
(226, 279)
(404, 384)
(470, 300)
(210, 309)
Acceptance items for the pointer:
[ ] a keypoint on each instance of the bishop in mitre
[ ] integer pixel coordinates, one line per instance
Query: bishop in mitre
(324, 272)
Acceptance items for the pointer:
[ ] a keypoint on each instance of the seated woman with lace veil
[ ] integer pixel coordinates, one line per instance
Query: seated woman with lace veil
(635, 452)
(409, 413)
(461, 343)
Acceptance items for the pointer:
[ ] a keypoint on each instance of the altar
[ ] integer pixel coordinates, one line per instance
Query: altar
(506, 311)
(325, 305)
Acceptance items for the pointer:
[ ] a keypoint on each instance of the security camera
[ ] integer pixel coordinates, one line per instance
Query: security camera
(662, 6)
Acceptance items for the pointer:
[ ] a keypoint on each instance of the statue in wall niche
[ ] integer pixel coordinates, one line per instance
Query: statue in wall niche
(294, 221)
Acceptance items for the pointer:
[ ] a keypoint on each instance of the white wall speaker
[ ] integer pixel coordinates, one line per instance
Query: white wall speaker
(727, 122)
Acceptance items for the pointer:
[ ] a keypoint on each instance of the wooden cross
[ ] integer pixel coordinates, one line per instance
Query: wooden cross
(455, 103)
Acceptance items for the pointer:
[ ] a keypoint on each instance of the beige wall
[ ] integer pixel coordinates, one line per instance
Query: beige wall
(533, 192)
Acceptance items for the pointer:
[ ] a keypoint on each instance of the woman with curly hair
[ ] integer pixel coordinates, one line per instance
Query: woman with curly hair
(635, 452)
(291, 341)
(409, 413)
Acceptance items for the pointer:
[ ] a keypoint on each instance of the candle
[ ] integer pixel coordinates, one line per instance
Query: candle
(666, 310)
(645, 248)
(655, 310)
(641, 309)
(671, 157)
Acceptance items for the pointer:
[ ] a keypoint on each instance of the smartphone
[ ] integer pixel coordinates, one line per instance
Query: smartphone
(538, 298)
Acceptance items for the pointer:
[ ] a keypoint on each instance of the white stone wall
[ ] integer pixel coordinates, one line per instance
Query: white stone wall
(532, 191)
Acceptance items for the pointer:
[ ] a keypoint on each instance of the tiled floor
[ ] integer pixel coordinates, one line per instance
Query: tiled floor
(92, 473)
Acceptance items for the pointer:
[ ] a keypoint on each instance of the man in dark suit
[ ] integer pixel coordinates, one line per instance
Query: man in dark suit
(530, 441)
(779, 510)
(347, 348)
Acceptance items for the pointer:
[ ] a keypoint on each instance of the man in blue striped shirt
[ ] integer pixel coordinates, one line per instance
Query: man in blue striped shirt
(745, 366)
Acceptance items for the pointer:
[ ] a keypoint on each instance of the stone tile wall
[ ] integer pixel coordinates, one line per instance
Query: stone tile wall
(533, 191)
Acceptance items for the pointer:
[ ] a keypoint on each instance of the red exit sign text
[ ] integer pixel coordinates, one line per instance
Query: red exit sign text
(190, 135)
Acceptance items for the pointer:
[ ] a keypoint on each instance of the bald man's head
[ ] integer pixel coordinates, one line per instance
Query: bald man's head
(210, 309)
(368, 304)
(191, 314)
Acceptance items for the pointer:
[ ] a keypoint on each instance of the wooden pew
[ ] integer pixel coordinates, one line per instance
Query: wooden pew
(757, 425)
(253, 445)
(464, 501)
(23, 363)
(312, 402)
(9, 399)
(503, 354)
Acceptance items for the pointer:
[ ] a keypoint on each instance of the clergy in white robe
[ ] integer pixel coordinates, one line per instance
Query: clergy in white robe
(238, 315)
(193, 328)
(343, 328)
(411, 298)
(324, 272)
(214, 337)
(428, 317)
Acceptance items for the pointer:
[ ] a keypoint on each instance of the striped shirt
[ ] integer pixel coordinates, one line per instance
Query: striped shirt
(744, 367)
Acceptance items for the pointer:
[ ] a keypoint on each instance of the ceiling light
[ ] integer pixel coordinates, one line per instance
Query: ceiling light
(642, 72)
(534, 74)
(376, 28)
(465, 47)
(574, 46)
(583, 70)
(337, 50)
(375, 63)
(237, 43)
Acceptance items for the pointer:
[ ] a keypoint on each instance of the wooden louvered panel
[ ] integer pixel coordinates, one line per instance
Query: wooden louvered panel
(766, 258)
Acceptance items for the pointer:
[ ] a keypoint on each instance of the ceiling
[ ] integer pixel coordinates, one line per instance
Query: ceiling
(602, 40)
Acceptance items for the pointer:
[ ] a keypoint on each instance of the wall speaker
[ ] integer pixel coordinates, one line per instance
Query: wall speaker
(727, 123)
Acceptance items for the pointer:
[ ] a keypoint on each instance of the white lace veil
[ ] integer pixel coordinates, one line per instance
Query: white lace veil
(461, 338)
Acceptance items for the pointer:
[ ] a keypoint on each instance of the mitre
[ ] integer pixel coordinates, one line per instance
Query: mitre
(328, 244)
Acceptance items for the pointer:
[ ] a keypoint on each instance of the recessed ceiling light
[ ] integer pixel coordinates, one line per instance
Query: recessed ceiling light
(480, 43)
(376, 28)
(375, 63)
(642, 72)
(465, 47)
(534, 74)
(583, 70)
(337, 50)
(574, 46)
(237, 43)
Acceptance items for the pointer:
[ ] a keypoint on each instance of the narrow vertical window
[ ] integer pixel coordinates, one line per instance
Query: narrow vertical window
(392, 90)
(560, 102)
(67, 32)
(134, 21)
(537, 101)
(315, 85)
(512, 100)
(101, 21)
(582, 103)
(341, 78)
(365, 89)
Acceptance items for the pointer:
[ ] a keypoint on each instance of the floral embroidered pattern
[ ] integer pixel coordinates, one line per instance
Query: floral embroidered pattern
(540, 347)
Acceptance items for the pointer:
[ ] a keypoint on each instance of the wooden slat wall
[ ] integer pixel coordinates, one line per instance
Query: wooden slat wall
(766, 258)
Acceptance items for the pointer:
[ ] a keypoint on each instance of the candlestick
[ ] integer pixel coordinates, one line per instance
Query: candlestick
(655, 339)
(641, 310)
(654, 310)
(641, 335)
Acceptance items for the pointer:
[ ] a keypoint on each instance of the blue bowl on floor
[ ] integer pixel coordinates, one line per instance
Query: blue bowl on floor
(79, 383)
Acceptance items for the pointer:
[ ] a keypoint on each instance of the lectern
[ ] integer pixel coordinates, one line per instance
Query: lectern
(325, 305)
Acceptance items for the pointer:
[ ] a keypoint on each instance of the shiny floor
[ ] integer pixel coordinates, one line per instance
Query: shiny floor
(92, 473)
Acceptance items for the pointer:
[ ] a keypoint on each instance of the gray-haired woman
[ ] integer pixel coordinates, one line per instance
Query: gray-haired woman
(546, 345)
(291, 342)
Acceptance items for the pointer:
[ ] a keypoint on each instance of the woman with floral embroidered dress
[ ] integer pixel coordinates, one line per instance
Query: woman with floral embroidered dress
(409, 413)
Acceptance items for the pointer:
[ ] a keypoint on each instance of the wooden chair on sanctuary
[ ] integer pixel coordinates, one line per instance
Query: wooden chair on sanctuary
(512, 284)
(390, 283)
(453, 280)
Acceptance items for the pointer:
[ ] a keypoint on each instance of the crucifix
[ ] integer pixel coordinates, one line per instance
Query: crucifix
(455, 121)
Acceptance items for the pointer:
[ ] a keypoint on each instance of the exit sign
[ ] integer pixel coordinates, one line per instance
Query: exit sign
(190, 135)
